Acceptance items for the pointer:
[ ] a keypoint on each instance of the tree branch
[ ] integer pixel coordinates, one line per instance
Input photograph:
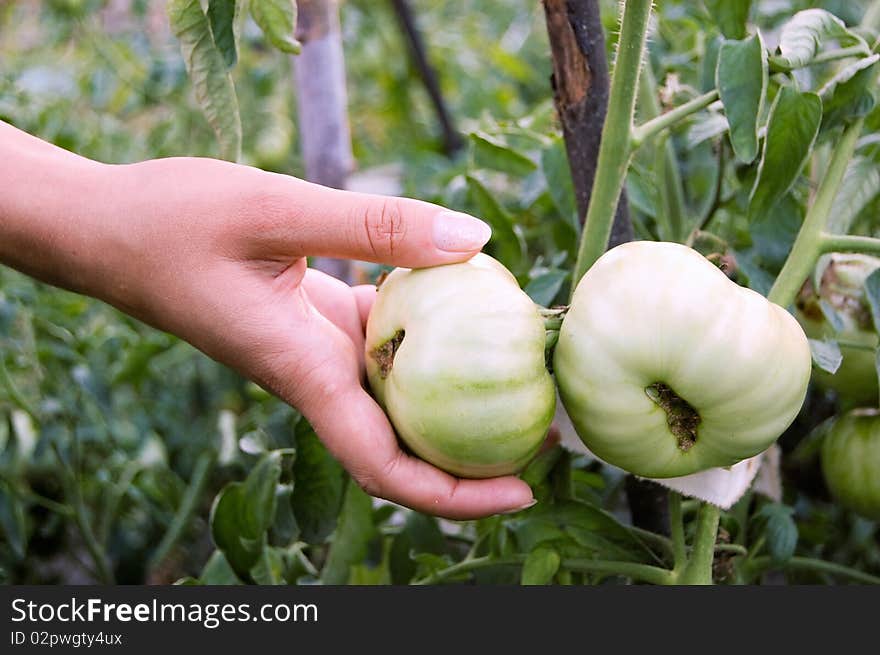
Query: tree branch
(452, 139)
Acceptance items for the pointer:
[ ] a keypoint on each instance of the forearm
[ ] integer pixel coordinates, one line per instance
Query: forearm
(53, 212)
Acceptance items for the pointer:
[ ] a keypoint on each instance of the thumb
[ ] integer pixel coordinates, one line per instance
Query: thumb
(308, 219)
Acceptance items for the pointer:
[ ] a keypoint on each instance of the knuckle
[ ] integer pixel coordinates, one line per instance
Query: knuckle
(368, 482)
(384, 226)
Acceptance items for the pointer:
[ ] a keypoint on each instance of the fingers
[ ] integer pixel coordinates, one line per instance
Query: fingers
(358, 433)
(365, 296)
(294, 218)
(337, 302)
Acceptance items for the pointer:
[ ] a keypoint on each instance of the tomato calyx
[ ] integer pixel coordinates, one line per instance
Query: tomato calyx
(384, 353)
(683, 420)
(553, 317)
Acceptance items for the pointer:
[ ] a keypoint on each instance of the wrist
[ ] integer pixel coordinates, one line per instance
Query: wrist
(51, 212)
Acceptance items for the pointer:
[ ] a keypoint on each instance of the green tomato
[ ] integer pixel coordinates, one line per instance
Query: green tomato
(667, 368)
(842, 290)
(851, 461)
(455, 356)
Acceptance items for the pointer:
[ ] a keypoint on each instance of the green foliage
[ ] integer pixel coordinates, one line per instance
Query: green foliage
(791, 130)
(742, 85)
(206, 64)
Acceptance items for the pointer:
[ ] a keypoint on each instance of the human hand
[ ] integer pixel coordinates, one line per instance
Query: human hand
(215, 253)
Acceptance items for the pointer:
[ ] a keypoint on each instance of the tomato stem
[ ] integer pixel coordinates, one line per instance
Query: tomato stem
(698, 570)
(672, 211)
(635, 571)
(676, 531)
(810, 241)
(615, 150)
(649, 128)
(849, 243)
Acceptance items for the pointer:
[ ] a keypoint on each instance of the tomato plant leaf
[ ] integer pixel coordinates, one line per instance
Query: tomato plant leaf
(420, 534)
(826, 355)
(872, 294)
(490, 153)
(791, 132)
(831, 315)
(780, 529)
(742, 84)
(221, 16)
(730, 16)
(544, 288)
(213, 86)
(860, 186)
(540, 566)
(589, 527)
(554, 166)
(851, 93)
(804, 33)
(217, 571)
(318, 488)
(509, 246)
(270, 567)
(540, 466)
(277, 19)
(353, 535)
(706, 126)
(284, 526)
(243, 512)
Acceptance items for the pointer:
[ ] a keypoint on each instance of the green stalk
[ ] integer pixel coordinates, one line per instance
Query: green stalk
(669, 177)
(810, 240)
(638, 572)
(848, 243)
(676, 531)
(204, 466)
(662, 121)
(698, 570)
(615, 151)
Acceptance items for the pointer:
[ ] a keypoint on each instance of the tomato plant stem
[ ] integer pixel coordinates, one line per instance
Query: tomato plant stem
(649, 128)
(849, 243)
(810, 241)
(183, 518)
(698, 570)
(637, 572)
(673, 207)
(817, 566)
(633, 570)
(649, 537)
(676, 530)
(615, 150)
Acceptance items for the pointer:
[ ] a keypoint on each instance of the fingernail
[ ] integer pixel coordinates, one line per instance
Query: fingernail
(531, 503)
(457, 232)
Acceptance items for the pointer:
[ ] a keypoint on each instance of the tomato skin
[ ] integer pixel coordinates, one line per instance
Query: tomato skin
(842, 287)
(851, 461)
(650, 313)
(467, 389)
